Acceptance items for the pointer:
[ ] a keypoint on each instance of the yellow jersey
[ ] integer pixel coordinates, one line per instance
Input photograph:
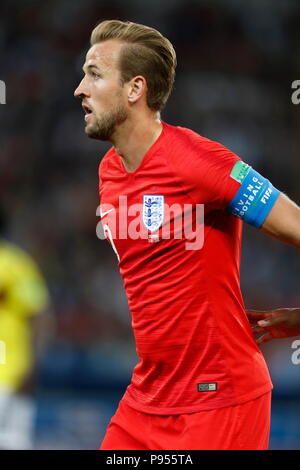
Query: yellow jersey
(23, 293)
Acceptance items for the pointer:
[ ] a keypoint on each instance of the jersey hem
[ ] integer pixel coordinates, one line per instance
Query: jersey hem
(153, 410)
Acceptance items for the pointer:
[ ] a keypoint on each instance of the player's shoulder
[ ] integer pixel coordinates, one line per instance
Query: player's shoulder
(191, 140)
(15, 257)
(187, 146)
(192, 156)
(11, 250)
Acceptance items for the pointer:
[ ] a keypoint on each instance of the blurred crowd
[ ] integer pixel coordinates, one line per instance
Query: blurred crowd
(236, 64)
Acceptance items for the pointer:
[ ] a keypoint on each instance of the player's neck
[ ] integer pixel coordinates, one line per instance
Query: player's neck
(134, 139)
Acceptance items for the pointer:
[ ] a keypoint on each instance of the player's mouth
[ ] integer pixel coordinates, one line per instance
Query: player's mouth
(87, 110)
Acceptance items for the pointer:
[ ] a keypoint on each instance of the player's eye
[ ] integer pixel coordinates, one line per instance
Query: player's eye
(95, 75)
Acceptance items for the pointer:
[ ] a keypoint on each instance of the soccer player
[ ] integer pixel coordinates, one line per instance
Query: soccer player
(201, 381)
(23, 297)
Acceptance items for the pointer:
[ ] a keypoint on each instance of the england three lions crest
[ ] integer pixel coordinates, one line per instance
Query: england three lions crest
(153, 211)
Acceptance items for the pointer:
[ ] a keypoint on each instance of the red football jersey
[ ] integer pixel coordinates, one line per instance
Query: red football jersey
(179, 257)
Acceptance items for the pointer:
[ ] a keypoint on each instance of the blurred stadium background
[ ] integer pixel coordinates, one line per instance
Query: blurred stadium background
(237, 61)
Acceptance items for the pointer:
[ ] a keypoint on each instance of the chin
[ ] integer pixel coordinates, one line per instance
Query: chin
(90, 131)
(92, 135)
(95, 134)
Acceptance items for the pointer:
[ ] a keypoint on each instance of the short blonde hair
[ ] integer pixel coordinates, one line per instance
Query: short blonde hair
(146, 52)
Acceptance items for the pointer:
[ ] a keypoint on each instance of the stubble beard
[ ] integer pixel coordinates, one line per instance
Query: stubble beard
(104, 127)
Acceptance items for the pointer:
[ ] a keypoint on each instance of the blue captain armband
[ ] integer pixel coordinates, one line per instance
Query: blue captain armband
(256, 196)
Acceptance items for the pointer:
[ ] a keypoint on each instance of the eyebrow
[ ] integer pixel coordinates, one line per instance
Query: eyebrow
(89, 67)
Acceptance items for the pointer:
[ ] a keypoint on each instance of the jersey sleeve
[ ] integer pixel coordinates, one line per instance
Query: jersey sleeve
(204, 168)
(213, 175)
(255, 197)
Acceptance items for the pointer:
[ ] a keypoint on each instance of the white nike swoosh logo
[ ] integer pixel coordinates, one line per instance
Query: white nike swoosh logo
(102, 214)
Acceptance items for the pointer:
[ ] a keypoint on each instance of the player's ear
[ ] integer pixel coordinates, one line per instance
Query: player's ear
(137, 88)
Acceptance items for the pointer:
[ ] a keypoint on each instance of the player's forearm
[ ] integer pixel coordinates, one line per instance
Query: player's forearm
(283, 222)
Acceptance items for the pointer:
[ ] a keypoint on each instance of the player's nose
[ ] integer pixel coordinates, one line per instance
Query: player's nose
(81, 91)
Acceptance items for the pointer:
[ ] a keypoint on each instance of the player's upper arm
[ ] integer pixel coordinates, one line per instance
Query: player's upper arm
(255, 196)
(283, 221)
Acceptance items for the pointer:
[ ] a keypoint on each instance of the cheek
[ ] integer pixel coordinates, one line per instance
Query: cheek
(107, 96)
(104, 95)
